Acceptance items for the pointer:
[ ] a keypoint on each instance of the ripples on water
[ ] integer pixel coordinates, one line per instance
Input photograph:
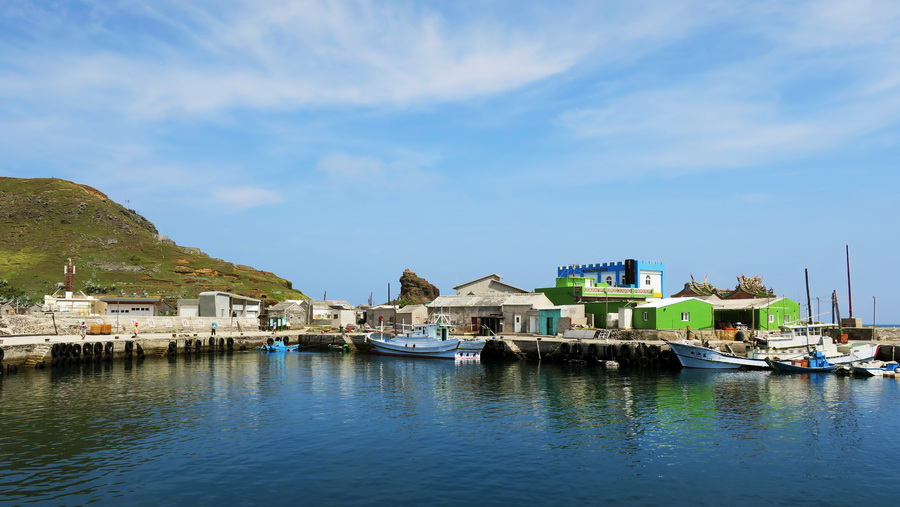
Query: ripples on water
(339, 429)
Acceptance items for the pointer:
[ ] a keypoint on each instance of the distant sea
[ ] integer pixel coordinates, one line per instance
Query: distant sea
(353, 429)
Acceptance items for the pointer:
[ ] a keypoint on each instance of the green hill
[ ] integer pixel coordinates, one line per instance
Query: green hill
(45, 221)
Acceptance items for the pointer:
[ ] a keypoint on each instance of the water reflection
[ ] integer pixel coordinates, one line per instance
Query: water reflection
(101, 432)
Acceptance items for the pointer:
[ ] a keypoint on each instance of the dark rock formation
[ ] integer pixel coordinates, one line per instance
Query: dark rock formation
(417, 289)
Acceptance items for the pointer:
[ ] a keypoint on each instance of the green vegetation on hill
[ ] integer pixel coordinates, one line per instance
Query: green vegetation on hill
(44, 222)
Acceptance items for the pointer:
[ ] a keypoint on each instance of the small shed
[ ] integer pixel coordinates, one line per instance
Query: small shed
(673, 313)
(134, 306)
(293, 312)
(411, 315)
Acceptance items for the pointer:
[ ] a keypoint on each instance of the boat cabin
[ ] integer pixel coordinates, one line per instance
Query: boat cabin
(432, 331)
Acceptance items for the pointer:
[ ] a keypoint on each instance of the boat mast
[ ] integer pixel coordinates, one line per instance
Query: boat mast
(808, 300)
(849, 290)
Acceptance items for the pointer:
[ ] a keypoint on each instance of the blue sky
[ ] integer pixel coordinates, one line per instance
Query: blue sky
(338, 143)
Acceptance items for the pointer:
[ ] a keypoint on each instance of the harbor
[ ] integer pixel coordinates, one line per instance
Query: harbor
(638, 350)
(359, 429)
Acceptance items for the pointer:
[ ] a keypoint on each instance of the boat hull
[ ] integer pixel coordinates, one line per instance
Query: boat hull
(453, 348)
(793, 368)
(693, 356)
(279, 347)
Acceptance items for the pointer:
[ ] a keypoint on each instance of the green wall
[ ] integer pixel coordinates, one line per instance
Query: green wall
(669, 317)
(759, 318)
(566, 296)
(777, 310)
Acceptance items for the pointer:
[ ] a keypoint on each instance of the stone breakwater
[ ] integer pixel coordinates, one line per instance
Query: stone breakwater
(63, 324)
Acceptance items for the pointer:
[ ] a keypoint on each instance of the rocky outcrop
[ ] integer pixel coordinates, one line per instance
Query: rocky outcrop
(417, 289)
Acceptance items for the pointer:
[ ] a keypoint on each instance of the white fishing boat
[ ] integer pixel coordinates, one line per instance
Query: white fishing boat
(876, 369)
(793, 343)
(426, 341)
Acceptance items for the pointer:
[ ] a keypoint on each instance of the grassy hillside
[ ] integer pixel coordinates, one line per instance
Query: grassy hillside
(45, 221)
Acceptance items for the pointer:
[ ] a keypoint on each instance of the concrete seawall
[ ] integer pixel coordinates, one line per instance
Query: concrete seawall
(632, 348)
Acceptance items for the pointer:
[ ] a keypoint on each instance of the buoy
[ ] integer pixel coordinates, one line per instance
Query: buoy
(129, 347)
(54, 350)
(98, 348)
(230, 343)
(270, 341)
(198, 344)
(564, 349)
(76, 350)
(188, 344)
(212, 342)
(2, 354)
(109, 349)
(285, 340)
(140, 350)
(576, 349)
(221, 343)
(172, 346)
(39, 365)
(87, 350)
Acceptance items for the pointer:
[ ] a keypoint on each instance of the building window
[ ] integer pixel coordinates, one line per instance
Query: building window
(609, 280)
(685, 316)
(646, 316)
(787, 319)
(647, 281)
(771, 319)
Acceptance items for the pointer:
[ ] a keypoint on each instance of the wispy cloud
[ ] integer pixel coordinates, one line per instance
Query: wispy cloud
(823, 76)
(246, 196)
(277, 55)
(343, 169)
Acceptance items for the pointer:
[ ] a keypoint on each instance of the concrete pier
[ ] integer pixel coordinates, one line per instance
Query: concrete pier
(639, 350)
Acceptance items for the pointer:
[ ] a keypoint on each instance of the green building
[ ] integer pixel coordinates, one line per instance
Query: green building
(756, 313)
(599, 299)
(673, 313)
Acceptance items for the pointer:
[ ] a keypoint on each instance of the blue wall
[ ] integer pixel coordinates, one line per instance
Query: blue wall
(592, 270)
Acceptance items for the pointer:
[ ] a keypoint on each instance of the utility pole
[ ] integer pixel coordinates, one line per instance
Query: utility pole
(874, 329)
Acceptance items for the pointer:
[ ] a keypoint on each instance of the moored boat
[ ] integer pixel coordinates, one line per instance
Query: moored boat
(426, 341)
(697, 356)
(814, 362)
(876, 369)
(792, 343)
(278, 346)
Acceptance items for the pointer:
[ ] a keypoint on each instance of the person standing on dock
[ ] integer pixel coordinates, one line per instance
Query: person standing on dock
(83, 329)
(212, 329)
(135, 330)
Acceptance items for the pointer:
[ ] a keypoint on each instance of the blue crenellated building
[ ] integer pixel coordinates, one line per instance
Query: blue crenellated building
(628, 273)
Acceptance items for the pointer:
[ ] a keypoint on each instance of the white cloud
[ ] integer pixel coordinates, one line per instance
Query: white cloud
(279, 55)
(822, 75)
(246, 196)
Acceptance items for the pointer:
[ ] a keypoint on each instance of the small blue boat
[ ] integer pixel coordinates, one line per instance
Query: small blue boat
(814, 362)
(278, 346)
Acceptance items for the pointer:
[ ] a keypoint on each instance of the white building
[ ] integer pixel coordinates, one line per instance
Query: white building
(132, 306)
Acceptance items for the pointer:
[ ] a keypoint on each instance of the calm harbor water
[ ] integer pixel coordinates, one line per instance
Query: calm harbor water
(354, 429)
